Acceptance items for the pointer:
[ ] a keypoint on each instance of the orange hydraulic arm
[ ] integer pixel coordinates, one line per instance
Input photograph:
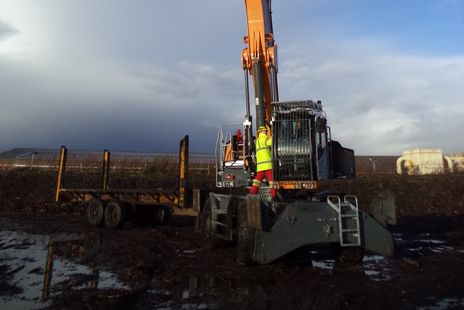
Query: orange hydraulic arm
(259, 58)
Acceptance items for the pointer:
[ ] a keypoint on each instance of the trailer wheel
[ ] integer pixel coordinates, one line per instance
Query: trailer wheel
(162, 215)
(96, 212)
(207, 226)
(115, 214)
(246, 237)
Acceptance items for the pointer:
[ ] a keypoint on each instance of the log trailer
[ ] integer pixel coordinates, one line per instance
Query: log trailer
(112, 207)
(305, 162)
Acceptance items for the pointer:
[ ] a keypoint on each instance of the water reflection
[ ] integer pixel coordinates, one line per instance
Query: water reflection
(197, 292)
(414, 245)
(55, 249)
(42, 266)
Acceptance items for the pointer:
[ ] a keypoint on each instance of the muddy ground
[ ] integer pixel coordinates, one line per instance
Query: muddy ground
(50, 258)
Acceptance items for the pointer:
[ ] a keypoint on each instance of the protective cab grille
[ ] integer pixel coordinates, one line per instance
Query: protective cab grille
(294, 140)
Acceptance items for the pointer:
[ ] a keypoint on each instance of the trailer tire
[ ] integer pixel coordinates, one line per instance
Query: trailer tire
(115, 214)
(246, 237)
(96, 212)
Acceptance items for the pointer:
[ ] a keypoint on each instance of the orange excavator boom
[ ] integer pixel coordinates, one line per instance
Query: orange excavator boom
(259, 58)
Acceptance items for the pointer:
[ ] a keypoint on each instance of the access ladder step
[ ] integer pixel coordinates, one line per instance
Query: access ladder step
(219, 223)
(350, 230)
(354, 216)
(347, 210)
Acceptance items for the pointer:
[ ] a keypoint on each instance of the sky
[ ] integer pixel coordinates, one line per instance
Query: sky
(138, 75)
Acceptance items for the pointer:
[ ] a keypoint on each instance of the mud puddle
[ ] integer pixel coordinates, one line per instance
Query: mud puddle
(374, 267)
(35, 268)
(446, 303)
(414, 245)
(195, 291)
(380, 268)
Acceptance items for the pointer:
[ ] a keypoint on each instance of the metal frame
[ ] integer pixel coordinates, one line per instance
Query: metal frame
(220, 152)
(183, 172)
(346, 211)
(61, 169)
(178, 200)
(105, 170)
(305, 112)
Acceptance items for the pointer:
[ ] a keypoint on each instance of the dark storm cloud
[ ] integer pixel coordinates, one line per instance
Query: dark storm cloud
(148, 109)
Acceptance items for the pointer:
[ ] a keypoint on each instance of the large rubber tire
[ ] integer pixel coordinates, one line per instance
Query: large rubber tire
(162, 215)
(96, 212)
(206, 220)
(349, 258)
(115, 214)
(246, 237)
(206, 226)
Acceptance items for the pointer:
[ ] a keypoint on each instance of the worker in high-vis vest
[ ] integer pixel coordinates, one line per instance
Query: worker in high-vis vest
(263, 162)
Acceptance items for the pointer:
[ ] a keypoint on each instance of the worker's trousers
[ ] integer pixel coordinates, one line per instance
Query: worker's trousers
(257, 182)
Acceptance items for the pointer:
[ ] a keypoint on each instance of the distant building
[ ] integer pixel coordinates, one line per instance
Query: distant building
(424, 161)
(458, 161)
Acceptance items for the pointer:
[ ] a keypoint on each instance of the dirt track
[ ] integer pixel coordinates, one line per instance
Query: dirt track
(170, 267)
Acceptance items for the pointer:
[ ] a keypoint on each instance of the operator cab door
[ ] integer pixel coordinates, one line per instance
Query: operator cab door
(333, 160)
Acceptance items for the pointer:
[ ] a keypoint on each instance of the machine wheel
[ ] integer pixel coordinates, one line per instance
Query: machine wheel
(115, 214)
(246, 237)
(96, 212)
(349, 258)
(162, 215)
(207, 225)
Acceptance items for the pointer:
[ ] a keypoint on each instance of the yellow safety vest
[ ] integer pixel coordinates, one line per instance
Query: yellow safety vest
(263, 152)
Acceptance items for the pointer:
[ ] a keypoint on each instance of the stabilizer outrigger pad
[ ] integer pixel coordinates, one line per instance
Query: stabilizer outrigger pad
(305, 223)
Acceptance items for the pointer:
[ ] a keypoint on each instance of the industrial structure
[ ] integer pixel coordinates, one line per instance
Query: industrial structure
(458, 161)
(428, 161)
